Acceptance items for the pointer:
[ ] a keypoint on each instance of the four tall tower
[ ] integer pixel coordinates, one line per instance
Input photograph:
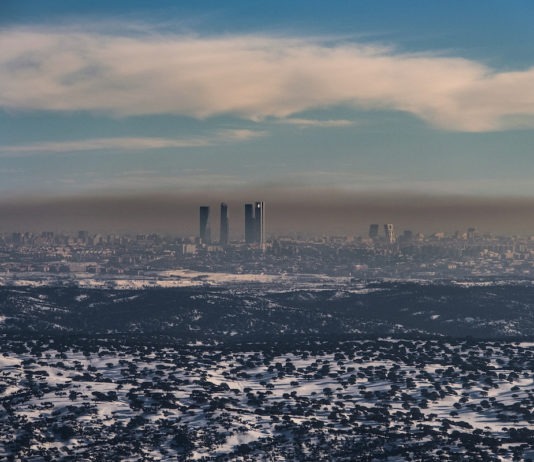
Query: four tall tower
(254, 224)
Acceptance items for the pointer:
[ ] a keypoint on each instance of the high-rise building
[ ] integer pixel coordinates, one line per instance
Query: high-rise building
(250, 225)
(407, 235)
(471, 233)
(225, 225)
(255, 223)
(389, 231)
(205, 224)
(83, 236)
(259, 218)
(373, 231)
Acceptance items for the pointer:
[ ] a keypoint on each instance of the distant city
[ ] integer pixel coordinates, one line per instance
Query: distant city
(383, 253)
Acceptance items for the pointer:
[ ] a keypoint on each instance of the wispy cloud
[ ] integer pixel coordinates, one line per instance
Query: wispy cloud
(130, 143)
(305, 123)
(253, 77)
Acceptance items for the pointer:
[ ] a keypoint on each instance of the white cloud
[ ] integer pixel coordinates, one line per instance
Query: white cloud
(131, 143)
(253, 77)
(304, 123)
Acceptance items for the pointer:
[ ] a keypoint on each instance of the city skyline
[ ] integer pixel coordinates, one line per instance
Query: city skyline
(421, 113)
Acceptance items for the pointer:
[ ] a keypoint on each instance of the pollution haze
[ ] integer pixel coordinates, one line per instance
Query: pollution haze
(288, 212)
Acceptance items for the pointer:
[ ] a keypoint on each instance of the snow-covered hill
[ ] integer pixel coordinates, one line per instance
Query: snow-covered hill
(385, 399)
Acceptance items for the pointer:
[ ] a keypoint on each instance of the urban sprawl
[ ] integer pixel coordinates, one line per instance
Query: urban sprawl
(381, 254)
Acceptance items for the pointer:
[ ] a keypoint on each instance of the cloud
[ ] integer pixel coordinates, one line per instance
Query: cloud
(305, 123)
(130, 143)
(253, 77)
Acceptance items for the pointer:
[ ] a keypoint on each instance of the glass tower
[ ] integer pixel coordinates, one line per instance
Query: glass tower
(225, 226)
(204, 224)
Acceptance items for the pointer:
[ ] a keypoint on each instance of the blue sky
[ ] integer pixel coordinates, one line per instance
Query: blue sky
(128, 97)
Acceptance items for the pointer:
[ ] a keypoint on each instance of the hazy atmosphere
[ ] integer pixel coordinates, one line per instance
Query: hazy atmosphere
(316, 212)
(129, 116)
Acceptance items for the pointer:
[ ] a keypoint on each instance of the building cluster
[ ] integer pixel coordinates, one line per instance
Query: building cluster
(389, 231)
(381, 254)
(254, 225)
(390, 235)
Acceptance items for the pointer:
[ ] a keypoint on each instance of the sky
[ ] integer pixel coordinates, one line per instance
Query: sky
(130, 114)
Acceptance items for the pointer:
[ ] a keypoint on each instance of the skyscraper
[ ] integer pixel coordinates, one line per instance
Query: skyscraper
(373, 231)
(225, 226)
(259, 218)
(255, 223)
(204, 224)
(250, 233)
(471, 233)
(389, 231)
